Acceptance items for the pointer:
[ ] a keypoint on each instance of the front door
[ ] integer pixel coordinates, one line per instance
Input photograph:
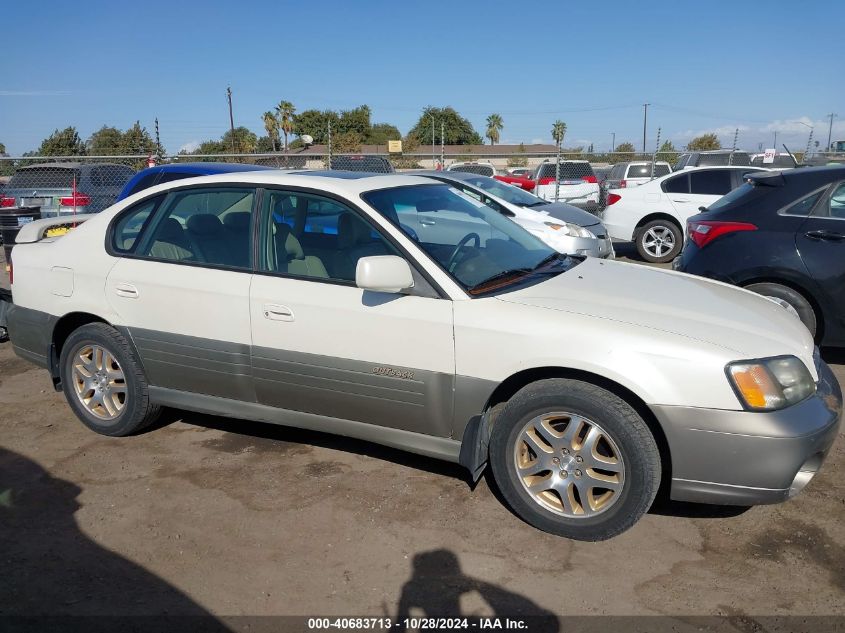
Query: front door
(321, 345)
(821, 243)
(181, 288)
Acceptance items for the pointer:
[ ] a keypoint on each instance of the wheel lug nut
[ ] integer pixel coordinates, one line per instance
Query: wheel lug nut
(578, 458)
(555, 460)
(564, 474)
(577, 473)
(566, 451)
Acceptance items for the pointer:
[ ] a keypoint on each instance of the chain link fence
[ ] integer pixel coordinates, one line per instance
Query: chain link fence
(88, 184)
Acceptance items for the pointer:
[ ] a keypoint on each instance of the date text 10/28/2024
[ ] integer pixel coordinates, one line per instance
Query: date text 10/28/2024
(419, 624)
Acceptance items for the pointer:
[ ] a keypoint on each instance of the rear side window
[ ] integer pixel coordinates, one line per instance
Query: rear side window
(710, 182)
(678, 184)
(836, 202)
(145, 183)
(130, 225)
(569, 170)
(204, 226)
(110, 175)
(44, 178)
(617, 172)
(644, 171)
(804, 205)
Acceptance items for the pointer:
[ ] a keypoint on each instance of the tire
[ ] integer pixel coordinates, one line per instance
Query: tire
(106, 389)
(655, 237)
(623, 435)
(793, 298)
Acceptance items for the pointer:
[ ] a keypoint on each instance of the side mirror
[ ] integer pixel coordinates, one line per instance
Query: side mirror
(383, 273)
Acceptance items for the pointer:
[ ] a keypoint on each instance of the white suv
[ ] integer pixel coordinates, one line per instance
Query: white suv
(654, 215)
(302, 300)
(482, 169)
(577, 183)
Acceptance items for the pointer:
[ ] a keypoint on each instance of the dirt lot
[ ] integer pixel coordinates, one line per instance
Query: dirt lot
(205, 514)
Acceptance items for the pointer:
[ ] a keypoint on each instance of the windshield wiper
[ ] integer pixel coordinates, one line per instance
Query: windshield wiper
(536, 204)
(511, 272)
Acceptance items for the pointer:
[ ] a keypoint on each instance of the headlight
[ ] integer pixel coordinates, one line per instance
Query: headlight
(566, 228)
(771, 384)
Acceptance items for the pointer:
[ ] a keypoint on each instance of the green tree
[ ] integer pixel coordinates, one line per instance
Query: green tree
(2, 149)
(667, 153)
(315, 123)
(136, 140)
(494, 126)
(107, 141)
(64, 142)
(245, 141)
(346, 142)
(285, 113)
(624, 152)
(356, 121)
(704, 142)
(271, 124)
(380, 133)
(457, 129)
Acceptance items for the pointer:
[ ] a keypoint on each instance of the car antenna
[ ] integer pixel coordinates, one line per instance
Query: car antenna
(795, 162)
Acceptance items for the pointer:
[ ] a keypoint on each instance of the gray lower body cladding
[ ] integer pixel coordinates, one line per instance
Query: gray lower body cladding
(31, 333)
(750, 458)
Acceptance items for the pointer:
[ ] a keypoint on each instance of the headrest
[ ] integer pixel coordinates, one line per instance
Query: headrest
(204, 224)
(237, 221)
(287, 240)
(170, 230)
(351, 231)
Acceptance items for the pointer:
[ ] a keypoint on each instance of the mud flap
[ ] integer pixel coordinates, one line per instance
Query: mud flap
(475, 446)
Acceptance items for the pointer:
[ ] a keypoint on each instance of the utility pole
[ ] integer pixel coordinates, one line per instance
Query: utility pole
(613, 141)
(442, 146)
(645, 122)
(829, 130)
(158, 141)
(432, 141)
(775, 144)
(231, 118)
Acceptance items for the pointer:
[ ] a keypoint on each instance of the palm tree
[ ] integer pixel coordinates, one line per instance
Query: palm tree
(494, 124)
(284, 113)
(271, 124)
(558, 132)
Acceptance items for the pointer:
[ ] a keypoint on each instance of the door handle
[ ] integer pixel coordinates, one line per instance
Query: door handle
(276, 312)
(830, 236)
(128, 291)
(428, 222)
(679, 200)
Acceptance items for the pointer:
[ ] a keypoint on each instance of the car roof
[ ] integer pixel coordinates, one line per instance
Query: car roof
(339, 182)
(203, 169)
(451, 175)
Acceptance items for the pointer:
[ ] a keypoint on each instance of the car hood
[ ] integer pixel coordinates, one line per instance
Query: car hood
(734, 319)
(567, 213)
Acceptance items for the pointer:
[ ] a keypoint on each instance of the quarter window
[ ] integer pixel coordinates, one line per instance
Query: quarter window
(127, 230)
(312, 236)
(678, 184)
(205, 226)
(711, 182)
(804, 205)
(836, 202)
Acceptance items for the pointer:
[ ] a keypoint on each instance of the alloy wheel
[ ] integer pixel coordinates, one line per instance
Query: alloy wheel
(569, 464)
(658, 241)
(99, 382)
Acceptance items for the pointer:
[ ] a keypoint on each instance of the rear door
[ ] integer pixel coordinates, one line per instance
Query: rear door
(181, 288)
(821, 244)
(704, 187)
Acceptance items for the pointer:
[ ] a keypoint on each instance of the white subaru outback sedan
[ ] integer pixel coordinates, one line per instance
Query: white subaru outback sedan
(307, 301)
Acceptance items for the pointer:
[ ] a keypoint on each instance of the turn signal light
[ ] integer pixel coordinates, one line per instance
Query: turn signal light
(613, 198)
(76, 200)
(7, 201)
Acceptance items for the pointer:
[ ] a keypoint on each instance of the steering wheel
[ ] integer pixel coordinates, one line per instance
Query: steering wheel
(464, 241)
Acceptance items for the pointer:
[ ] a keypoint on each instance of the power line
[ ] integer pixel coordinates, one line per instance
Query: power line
(830, 129)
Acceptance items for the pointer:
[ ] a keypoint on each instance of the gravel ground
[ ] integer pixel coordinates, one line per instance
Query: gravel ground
(207, 515)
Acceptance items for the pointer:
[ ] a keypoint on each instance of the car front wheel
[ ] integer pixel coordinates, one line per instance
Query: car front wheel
(103, 381)
(791, 299)
(574, 459)
(659, 241)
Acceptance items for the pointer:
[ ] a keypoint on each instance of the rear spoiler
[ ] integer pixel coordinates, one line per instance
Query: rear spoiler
(765, 178)
(37, 230)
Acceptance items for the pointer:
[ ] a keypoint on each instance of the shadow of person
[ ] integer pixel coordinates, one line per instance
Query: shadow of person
(51, 568)
(437, 586)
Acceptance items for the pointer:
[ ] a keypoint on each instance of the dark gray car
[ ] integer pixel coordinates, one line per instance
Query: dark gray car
(67, 188)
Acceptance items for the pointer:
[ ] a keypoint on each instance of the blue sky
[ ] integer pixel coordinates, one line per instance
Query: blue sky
(709, 65)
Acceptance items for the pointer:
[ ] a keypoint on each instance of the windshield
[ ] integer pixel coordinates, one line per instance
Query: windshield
(480, 248)
(506, 192)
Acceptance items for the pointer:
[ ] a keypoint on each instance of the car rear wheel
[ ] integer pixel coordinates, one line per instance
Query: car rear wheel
(103, 381)
(792, 300)
(574, 459)
(659, 241)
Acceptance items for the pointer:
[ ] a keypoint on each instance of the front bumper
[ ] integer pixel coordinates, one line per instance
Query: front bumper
(587, 246)
(750, 458)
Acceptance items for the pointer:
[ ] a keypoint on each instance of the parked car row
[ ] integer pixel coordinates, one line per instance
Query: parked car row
(406, 311)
